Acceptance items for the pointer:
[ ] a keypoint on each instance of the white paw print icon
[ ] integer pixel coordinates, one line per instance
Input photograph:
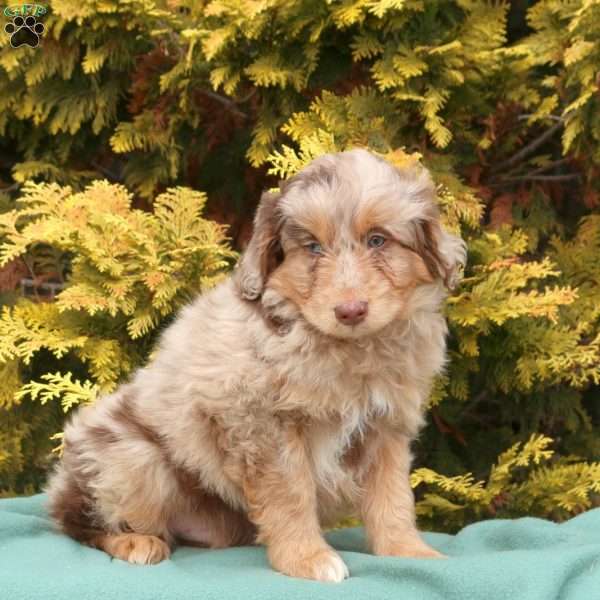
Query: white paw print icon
(24, 32)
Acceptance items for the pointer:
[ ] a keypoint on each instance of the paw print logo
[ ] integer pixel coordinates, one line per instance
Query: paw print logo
(24, 31)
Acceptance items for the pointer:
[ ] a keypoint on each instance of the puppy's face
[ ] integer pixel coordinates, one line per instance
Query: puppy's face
(347, 243)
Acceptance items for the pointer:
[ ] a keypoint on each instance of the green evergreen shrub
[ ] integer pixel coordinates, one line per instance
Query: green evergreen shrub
(228, 96)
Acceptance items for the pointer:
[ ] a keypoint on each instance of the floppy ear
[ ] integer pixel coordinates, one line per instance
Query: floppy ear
(263, 253)
(444, 254)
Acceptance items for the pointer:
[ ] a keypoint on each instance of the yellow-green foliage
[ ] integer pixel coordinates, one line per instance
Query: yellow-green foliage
(566, 37)
(130, 271)
(521, 482)
(420, 68)
(499, 102)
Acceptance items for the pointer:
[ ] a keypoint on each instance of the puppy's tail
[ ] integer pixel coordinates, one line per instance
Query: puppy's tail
(71, 508)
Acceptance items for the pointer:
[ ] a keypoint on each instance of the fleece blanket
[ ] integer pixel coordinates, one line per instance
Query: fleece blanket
(493, 560)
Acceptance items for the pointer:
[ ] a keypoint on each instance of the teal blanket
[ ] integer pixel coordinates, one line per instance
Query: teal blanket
(492, 560)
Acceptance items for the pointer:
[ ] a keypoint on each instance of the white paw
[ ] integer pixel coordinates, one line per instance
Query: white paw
(320, 564)
(330, 567)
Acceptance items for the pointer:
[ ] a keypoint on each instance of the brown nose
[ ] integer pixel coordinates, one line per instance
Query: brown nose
(351, 313)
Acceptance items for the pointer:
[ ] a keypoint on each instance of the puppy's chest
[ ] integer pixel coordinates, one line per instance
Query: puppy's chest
(333, 441)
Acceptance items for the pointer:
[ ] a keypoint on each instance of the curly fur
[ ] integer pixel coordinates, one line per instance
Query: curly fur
(263, 416)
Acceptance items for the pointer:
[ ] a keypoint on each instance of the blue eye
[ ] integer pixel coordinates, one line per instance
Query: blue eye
(375, 241)
(315, 248)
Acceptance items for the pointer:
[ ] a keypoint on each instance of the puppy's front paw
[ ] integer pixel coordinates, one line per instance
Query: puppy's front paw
(322, 565)
(408, 550)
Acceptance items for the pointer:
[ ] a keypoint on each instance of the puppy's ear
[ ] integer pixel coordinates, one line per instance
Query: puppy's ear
(264, 252)
(444, 254)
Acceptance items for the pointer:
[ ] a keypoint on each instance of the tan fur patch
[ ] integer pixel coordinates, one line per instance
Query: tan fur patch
(374, 214)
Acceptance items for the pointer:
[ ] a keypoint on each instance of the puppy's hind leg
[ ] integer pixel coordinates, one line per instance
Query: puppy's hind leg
(72, 510)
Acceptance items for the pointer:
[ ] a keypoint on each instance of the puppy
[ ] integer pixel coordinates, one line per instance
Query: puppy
(288, 395)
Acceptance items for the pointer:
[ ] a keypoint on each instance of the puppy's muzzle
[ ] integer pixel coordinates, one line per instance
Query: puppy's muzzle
(351, 313)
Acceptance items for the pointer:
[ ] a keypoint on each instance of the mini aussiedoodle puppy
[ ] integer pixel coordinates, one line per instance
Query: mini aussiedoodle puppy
(286, 396)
